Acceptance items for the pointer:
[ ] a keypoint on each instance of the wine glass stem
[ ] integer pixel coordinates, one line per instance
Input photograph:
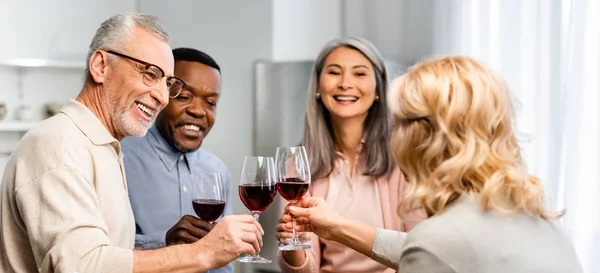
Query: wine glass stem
(295, 240)
(256, 219)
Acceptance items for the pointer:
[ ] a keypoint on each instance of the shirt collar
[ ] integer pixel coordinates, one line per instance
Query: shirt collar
(167, 153)
(88, 123)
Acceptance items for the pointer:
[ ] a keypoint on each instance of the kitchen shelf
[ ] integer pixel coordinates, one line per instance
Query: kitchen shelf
(43, 63)
(16, 125)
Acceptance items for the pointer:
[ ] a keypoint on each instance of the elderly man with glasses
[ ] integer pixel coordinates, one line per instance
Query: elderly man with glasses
(65, 205)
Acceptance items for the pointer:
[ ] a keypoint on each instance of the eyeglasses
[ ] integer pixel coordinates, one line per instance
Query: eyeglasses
(152, 74)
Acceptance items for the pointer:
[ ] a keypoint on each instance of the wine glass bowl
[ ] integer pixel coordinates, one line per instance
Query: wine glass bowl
(257, 198)
(208, 196)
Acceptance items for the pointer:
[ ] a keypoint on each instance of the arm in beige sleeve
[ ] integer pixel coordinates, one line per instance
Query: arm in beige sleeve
(418, 260)
(68, 234)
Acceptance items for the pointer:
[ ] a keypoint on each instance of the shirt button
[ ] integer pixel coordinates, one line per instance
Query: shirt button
(184, 189)
(181, 157)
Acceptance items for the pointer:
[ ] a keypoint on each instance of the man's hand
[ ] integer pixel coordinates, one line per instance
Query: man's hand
(233, 236)
(189, 229)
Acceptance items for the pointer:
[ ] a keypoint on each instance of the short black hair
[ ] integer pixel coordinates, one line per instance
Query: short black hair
(194, 55)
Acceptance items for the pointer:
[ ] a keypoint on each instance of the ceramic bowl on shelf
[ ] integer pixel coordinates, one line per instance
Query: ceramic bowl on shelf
(24, 112)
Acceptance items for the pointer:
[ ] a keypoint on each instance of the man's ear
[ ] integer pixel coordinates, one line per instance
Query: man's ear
(98, 66)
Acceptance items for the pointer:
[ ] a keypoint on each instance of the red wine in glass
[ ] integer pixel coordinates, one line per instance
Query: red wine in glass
(256, 197)
(257, 191)
(208, 196)
(292, 189)
(208, 209)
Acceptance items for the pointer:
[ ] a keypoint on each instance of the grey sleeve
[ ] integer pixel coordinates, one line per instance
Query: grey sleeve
(419, 260)
(387, 247)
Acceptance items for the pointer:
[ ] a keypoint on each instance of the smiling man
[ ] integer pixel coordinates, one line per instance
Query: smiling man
(162, 166)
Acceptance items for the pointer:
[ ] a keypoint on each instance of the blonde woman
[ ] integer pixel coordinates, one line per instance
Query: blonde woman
(347, 138)
(455, 141)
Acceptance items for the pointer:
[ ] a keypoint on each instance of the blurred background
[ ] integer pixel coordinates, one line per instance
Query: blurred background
(547, 50)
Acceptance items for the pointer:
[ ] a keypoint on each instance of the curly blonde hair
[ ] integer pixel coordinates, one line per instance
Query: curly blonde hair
(455, 134)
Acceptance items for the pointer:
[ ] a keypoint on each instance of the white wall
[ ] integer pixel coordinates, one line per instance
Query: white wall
(57, 29)
(401, 30)
(302, 28)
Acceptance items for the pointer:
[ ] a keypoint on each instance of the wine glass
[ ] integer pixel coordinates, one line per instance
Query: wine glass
(208, 196)
(293, 179)
(257, 191)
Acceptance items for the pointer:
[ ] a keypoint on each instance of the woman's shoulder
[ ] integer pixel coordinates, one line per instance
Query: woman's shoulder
(447, 226)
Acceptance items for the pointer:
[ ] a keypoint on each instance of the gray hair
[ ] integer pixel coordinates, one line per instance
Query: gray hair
(375, 158)
(113, 32)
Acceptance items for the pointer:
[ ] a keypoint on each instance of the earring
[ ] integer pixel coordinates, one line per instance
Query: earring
(318, 95)
(376, 97)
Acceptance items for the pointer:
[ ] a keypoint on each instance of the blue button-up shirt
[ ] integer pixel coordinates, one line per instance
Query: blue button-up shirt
(159, 178)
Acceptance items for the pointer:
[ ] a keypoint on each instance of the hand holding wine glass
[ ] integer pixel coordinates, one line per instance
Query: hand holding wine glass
(230, 238)
(257, 191)
(187, 230)
(293, 180)
(313, 214)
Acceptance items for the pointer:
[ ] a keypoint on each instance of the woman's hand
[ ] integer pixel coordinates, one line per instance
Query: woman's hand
(312, 214)
(281, 231)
